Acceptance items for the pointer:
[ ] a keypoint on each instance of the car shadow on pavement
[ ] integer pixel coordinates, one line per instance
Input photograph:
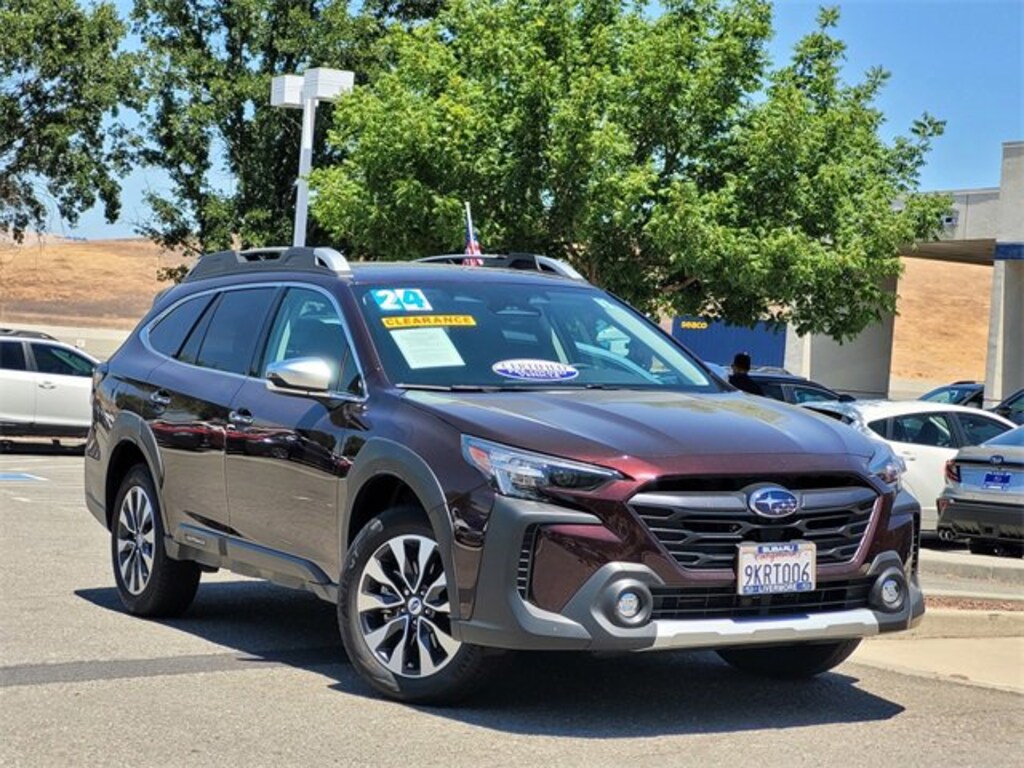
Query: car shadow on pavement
(42, 447)
(561, 694)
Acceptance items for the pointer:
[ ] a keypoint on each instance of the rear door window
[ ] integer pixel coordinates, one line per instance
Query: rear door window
(234, 330)
(60, 361)
(804, 394)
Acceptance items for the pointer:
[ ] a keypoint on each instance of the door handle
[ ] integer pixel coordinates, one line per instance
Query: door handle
(241, 418)
(47, 385)
(160, 398)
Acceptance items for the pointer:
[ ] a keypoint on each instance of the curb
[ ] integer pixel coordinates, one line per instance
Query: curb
(964, 567)
(951, 623)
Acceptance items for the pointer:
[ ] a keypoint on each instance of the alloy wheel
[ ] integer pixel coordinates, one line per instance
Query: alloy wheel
(403, 607)
(136, 540)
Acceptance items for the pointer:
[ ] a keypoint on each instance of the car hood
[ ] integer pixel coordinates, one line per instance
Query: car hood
(608, 424)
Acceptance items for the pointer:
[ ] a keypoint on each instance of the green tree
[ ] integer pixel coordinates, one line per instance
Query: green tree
(661, 156)
(62, 83)
(231, 158)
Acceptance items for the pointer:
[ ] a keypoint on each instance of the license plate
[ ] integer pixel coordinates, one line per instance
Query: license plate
(768, 569)
(996, 481)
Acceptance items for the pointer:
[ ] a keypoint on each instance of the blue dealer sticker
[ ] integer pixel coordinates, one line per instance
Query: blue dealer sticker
(535, 370)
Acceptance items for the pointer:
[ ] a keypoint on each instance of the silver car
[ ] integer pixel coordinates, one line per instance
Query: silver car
(984, 496)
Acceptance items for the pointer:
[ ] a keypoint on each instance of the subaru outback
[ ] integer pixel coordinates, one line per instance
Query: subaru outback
(462, 460)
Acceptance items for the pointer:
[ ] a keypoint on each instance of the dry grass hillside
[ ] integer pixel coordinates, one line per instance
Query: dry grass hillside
(940, 335)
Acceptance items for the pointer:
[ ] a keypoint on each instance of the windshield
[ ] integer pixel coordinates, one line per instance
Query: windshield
(476, 334)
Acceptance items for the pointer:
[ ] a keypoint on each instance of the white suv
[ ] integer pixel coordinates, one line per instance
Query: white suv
(44, 386)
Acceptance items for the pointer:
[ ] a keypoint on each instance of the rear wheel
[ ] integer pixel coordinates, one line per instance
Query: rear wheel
(148, 581)
(790, 661)
(394, 613)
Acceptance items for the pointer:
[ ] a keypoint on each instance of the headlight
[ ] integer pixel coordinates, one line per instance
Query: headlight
(887, 466)
(526, 475)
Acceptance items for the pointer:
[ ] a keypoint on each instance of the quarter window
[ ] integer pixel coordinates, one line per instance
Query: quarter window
(978, 429)
(234, 329)
(167, 336)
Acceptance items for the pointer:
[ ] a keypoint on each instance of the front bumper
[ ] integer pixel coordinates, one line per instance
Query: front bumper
(503, 618)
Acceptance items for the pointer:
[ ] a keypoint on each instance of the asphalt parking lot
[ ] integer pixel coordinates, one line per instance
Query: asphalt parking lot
(254, 675)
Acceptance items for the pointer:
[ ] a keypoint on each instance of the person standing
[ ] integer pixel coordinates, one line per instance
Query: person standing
(740, 376)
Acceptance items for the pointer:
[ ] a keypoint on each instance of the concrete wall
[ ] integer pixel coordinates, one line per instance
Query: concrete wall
(1004, 369)
(977, 215)
(859, 367)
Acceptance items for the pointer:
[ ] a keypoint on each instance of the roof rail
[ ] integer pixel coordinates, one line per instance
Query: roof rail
(527, 261)
(274, 258)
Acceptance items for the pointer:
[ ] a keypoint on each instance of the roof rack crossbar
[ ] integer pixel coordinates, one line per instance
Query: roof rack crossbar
(526, 261)
(274, 257)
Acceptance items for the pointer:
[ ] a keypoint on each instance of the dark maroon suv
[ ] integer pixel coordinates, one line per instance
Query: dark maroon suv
(470, 459)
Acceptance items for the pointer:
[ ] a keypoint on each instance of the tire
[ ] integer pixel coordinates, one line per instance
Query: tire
(149, 582)
(395, 621)
(790, 662)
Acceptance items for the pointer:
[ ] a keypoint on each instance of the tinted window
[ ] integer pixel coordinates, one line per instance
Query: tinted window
(308, 325)
(60, 361)
(169, 333)
(12, 356)
(923, 429)
(879, 427)
(772, 390)
(978, 429)
(802, 394)
(234, 330)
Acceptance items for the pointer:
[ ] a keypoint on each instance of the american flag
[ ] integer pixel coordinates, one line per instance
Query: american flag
(472, 244)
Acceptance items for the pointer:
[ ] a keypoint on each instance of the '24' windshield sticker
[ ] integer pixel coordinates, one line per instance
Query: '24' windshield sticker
(401, 300)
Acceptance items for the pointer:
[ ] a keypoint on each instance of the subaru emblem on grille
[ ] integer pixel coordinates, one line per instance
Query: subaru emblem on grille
(772, 501)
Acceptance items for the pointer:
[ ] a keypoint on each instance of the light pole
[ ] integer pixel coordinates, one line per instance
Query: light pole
(305, 92)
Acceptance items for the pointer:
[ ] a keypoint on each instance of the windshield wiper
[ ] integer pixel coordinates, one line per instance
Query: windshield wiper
(451, 387)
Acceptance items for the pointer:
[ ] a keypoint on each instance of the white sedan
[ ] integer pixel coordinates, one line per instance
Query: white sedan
(925, 435)
(45, 386)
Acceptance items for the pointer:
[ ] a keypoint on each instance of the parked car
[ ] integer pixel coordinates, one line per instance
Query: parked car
(969, 393)
(463, 461)
(780, 384)
(790, 388)
(984, 497)
(44, 386)
(925, 435)
(1012, 408)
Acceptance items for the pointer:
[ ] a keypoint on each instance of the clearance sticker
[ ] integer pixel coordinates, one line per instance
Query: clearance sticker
(428, 321)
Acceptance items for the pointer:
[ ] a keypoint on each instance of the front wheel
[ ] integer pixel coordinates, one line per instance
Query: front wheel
(148, 581)
(790, 661)
(394, 613)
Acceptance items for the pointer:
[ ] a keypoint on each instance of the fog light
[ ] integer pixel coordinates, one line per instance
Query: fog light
(892, 593)
(629, 605)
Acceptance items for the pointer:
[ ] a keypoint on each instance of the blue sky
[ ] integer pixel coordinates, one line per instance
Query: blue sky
(960, 60)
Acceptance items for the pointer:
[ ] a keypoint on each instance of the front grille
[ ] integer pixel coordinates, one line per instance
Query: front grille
(701, 529)
(724, 603)
(525, 562)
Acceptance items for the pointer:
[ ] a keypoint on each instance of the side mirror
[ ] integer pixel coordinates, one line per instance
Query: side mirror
(300, 376)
